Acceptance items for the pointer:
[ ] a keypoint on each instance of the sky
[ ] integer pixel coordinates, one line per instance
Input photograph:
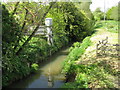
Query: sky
(100, 3)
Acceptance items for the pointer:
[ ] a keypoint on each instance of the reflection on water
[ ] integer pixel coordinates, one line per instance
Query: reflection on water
(50, 81)
(49, 75)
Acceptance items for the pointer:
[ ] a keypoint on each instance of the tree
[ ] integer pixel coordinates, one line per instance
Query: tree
(11, 32)
(112, 13)
(15, 64)
(36, 28)
(85, 6)
(77, 24)
(98, 14)
(28, 14)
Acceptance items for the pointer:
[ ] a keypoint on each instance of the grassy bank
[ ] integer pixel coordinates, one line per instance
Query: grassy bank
(88, 70)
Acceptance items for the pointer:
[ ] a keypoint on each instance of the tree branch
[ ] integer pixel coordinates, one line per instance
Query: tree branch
(29, 11)
(30, 37)
(24, 23)
(15, 9)
(24, 20)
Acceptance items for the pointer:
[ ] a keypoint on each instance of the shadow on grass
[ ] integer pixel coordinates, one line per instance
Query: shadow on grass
(107, 67)
(98, 25)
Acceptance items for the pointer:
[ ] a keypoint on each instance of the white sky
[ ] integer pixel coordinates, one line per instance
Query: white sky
(100, 3)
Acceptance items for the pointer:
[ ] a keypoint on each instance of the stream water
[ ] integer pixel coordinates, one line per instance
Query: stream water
(48, 76)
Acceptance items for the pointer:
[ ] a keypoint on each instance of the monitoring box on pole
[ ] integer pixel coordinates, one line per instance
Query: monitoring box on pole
(48, 21)
(48, 24)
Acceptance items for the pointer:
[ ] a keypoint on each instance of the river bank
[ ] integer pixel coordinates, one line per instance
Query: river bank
(92, 71)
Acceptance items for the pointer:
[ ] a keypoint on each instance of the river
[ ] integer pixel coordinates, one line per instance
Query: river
(49, 74)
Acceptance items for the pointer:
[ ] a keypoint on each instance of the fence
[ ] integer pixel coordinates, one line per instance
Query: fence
(104, 48)
(41, 31)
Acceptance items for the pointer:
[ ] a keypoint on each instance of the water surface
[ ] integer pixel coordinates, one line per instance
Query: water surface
(49, 74)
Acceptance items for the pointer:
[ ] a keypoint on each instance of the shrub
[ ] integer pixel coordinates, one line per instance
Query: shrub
(82, 80)
(34, 67)
(75, 53)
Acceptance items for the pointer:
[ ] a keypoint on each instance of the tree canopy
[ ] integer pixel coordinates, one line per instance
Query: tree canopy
(112, 13)
(98, 14)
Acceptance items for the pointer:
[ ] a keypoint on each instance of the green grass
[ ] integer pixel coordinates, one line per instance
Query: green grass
(110, 25)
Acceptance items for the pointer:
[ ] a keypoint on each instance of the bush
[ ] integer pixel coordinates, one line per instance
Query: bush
(76, 44)
(75, 53)
(82, 80)
(112, 13)
(34, 67)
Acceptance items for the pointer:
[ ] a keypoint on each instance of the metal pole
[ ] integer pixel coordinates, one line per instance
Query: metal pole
(48, 35)
(104, 10)
(105, 14)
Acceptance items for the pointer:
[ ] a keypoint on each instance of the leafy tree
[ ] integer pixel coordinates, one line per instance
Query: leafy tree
(85, 6)
(10, 35)
(112, 13)
(98, 14)
(77, 24)
(11, 32)
(15, 67)
(58, 27)
(35, 29)
(28, 15)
